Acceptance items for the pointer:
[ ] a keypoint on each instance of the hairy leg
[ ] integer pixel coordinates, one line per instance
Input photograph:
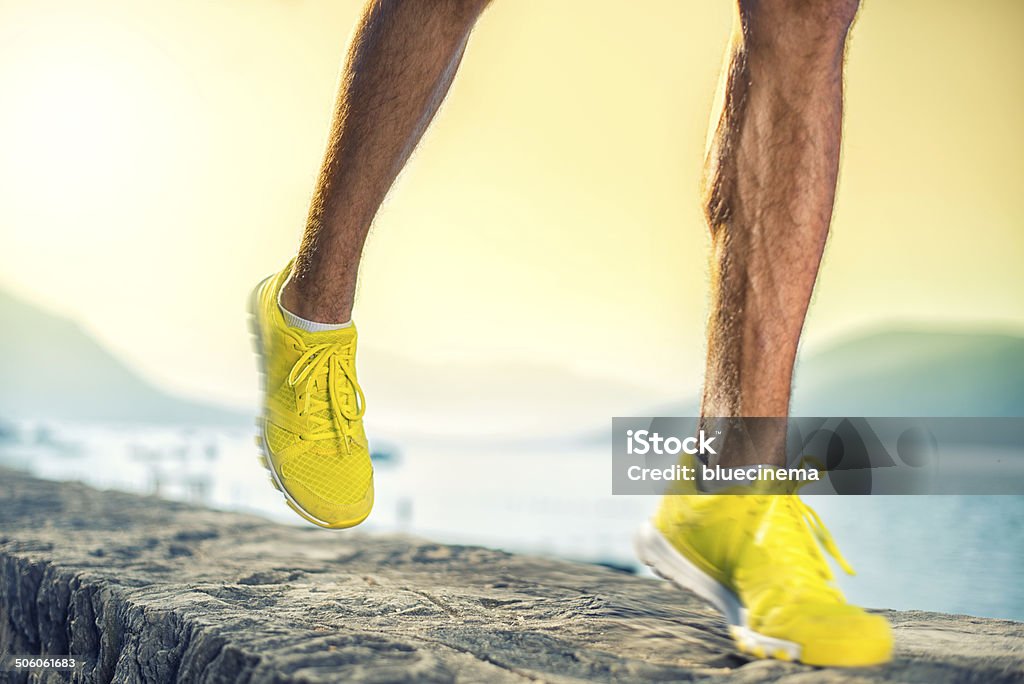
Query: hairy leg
(772, 164)
(401, 62)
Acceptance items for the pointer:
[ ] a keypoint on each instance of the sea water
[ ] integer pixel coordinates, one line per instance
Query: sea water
(957, 554)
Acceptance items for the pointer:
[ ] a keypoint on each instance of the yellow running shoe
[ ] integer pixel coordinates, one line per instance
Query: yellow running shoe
(311, 430)
(756, 558)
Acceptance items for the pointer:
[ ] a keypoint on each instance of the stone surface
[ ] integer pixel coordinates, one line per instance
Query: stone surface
(153, 591)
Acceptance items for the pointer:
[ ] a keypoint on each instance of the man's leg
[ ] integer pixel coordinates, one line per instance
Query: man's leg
(401, 62)
(772, 163)
(772, 168)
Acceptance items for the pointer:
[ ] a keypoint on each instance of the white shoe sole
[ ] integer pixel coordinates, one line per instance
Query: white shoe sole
(657, 553)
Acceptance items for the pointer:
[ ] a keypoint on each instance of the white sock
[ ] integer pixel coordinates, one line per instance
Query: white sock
(293, 321)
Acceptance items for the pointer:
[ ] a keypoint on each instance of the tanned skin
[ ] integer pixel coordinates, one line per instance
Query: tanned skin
(770, 178)
(770, 181)
(401, 62)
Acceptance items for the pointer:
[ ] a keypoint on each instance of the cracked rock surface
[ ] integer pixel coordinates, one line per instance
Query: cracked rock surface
(146, 590)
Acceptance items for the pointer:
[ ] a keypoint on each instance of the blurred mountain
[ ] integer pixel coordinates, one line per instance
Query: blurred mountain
(510, 401)
(50, 368)
(922, 372)
(900, 372)
(889, 372)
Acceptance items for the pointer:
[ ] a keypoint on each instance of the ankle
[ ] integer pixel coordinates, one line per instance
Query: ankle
(328, 310)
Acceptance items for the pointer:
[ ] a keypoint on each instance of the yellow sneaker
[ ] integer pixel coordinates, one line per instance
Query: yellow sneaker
(311, 430)
(756, 558)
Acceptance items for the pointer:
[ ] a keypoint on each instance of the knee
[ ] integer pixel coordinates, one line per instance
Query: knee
(797, 27)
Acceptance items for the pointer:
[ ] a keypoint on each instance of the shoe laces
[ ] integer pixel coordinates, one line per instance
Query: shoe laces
(328, 371)
(798, 535)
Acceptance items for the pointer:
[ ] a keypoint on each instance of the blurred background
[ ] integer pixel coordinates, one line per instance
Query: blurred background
(539, 267)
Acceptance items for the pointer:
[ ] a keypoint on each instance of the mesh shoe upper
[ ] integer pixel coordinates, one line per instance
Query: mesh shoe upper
(312, 422)
(767, 549)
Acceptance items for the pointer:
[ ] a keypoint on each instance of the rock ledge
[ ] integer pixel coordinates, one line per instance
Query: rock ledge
(153, 591)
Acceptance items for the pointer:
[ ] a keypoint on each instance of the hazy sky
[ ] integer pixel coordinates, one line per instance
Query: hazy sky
(156, 160)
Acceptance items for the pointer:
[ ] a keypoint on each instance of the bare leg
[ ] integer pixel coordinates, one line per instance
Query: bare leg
(772, 167)
(400, 65)
(772, 163)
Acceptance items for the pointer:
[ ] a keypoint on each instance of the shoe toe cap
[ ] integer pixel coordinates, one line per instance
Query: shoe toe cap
(833, 634)
(326, 512)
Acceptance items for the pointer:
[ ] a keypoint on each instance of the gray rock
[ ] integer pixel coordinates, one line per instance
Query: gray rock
(154, 591)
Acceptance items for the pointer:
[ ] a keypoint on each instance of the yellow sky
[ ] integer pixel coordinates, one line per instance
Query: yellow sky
(157, 159)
